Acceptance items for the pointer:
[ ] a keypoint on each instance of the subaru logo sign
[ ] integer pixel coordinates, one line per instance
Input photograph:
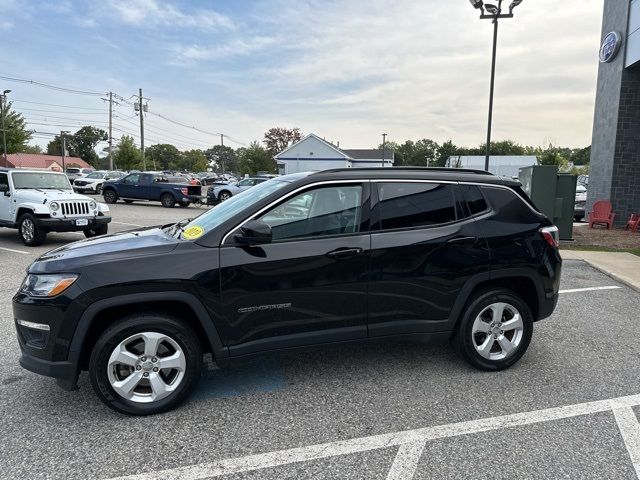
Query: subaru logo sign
(610, 47)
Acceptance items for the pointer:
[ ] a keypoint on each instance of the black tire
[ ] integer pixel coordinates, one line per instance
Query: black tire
(184, 204)
(224, 195)
(98, 189)
(110, 196)
(204, 183)
(463, 338)
(80, 190)
(128, 201)
(30, 233)
(172, 327)
(167, 200)
(97, 231)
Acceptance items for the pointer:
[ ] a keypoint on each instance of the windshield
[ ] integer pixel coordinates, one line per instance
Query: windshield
(41, 180)
(227, 209)
(95, 175)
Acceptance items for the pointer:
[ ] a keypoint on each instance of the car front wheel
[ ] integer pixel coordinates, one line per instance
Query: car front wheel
(224, 195)
(110, 196)
(30, 233)
(147, 364)
(97, 231)
(495, 330)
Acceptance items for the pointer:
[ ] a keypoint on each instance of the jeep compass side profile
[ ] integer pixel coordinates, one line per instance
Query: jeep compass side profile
(299, 260)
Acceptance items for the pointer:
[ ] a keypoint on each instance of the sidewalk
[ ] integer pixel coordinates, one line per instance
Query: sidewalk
(624, 267)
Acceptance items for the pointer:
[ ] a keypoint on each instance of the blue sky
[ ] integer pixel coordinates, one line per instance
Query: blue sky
(345, 70)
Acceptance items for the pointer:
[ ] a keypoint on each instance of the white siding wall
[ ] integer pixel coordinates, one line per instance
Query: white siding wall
(311, 148)
(296, 166)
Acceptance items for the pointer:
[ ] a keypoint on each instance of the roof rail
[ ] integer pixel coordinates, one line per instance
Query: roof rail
(421, 169)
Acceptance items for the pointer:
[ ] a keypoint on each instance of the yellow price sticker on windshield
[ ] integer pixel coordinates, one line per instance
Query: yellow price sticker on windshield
(192, 233)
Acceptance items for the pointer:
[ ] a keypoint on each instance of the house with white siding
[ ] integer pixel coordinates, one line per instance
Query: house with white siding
(313, 153)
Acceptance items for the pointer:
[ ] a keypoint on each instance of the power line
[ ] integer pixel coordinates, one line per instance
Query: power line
(58, 111)
(52, 104)
(51, 87)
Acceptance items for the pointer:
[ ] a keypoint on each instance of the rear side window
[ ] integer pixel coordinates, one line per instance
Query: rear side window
(474, 198)
(509, 206)
(411, 205)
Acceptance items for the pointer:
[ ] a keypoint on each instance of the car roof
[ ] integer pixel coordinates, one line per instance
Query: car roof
(5, 169)
(414, 173)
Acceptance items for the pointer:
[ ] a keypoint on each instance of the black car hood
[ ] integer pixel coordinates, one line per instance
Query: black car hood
(118, 246)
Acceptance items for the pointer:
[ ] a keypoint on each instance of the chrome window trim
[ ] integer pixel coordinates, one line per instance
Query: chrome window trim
(284, 198)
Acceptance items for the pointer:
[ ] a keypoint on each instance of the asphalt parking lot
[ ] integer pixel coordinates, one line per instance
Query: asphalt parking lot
(380, 410)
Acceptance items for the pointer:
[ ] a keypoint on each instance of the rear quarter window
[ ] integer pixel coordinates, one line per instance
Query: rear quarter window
(476, 203)
(509, 206)
(410, 205)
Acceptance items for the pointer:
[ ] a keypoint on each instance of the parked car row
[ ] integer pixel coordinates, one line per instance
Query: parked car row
(93, 181)
(168, 190)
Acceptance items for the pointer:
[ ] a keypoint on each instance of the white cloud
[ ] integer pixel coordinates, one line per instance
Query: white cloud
(151, 13)
(185, 54)
(4, 26)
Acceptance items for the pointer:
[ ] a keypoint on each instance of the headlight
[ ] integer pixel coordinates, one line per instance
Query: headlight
(54, 206)
(92, 205)
(47, 285)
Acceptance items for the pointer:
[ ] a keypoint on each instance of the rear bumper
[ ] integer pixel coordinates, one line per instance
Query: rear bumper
(69, 224)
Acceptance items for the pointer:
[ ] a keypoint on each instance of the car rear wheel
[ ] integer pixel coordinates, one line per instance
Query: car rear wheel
(224, 195)
(97, 231)
(110, 196)
(30, 233)
(167, 200)
(495, 330)
(98, 189)
(145, 364)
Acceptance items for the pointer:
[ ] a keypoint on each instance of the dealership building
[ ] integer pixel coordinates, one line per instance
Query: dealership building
(615, 156)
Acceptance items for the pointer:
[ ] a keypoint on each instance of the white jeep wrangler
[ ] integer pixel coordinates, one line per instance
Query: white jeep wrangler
(37, 202)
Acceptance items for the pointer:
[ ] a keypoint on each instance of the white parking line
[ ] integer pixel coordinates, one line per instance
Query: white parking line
(14, 251)
(630, 430)
(590, 289)
(409, 438)
(406, 461)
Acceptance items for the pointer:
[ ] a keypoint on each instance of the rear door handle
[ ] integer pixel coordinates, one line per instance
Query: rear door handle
(342, 253)
(462, 240)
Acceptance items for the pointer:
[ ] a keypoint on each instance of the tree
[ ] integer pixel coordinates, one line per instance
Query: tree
(15, 125)
(222, 155)
(163, 156)
(420, 153)
(255, 159)
(81, 144)
(552, 156)
(446, 150)
(580, 156)
(31, 149)
(277, 139)
(194, 160)
(126, 155)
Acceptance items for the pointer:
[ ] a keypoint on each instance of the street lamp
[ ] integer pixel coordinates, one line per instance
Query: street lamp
(3, 99)
(489, 11)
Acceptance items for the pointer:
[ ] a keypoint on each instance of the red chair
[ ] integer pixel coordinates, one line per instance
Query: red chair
(633, 223)
(602, 214)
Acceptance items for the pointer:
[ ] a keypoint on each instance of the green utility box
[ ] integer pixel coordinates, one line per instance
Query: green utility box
(553, 193)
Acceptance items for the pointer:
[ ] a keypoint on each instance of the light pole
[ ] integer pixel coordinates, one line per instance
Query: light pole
(384, 144)
(3, 99)
(494, 13)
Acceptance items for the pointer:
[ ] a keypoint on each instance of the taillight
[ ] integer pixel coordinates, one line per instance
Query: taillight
(185, 191)
(551, 236)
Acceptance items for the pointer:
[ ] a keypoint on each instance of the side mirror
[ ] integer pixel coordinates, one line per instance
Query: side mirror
(254, 232)
(4, 188)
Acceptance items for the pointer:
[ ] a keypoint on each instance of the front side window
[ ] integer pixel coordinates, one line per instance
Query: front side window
(132, 179)
(320, 212)
(411, 205)
(246, 183)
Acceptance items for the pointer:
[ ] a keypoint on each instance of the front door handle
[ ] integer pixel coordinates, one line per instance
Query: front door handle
(342, 253)
(462, 240)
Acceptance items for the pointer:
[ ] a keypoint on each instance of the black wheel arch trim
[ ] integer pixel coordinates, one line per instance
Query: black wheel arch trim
(476, 280)
(90, 314)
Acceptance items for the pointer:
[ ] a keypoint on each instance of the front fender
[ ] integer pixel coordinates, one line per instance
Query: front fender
(37, 208)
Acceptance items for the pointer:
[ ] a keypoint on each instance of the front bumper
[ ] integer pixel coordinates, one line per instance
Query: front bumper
(65, 373)
(69, 224)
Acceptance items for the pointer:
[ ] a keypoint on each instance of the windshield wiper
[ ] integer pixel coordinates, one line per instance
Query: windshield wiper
(177, 227)
(29, 188)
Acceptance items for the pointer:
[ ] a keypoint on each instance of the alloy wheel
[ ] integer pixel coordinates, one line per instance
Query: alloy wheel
(27, 229)
(497, 331)
(146, 367)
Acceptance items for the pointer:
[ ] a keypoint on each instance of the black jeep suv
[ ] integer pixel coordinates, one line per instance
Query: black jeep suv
(300, 260)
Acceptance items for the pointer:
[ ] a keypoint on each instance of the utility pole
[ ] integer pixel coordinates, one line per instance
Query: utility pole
(144, 163)
(384, 142)
(222, 152)
(3, 100)
(110, 131)
(63, 144)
